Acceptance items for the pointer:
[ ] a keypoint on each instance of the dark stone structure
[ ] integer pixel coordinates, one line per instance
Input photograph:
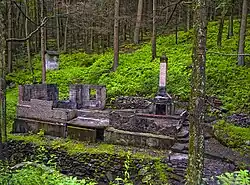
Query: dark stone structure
(83, 117)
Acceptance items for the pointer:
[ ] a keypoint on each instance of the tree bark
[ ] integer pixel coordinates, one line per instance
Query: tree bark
(66, 29)
(28, 40)
(138, 22)
(197, 101)
(57, 26)
(116, 35)
(243, 26)
(9, 6)
(3, 127)
(220, 32)
(231, 21)
(154, 31)
(43, 45)
(188, 18)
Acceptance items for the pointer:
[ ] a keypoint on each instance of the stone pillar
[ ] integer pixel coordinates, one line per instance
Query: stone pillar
(163, 76)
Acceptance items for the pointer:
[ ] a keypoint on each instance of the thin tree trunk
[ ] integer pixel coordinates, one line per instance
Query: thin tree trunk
(138, 22)
(57, 26)
(3, 127)
(188, 18)
(243, 26)
(43, 45)
(231, 21)
(154, 31)
(28, 41)
(66, 30)
(197, 101)
(116, 35)
(220, 32)
(9, 5)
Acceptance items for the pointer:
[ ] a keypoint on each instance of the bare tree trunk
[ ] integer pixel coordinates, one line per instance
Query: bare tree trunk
(243, 26)
(197, 101)
(231, 21)
(116, 35)
(66, 30)
(220, 32)
(57, 26)
(28, 41)
(3, 127)
(43, 45)
(9, 5)
(154, 31)
(138, 22)
(188, 18)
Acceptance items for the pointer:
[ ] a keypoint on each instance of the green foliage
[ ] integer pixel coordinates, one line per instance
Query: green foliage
(39, 175)
(241, 177)
(231, 135)
(137, 75)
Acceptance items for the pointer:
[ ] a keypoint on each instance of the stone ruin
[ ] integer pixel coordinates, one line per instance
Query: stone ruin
(84, 117)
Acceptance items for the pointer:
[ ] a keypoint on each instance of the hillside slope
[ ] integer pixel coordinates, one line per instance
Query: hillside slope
(137, 75)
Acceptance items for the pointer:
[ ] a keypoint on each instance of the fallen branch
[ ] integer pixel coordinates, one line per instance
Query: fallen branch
(44, 21)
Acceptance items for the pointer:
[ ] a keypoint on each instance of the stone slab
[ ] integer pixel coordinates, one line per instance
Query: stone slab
(114, 136)
(81, 134)
(22, 125)
(93, 113)
(89, 122)
(42, 110)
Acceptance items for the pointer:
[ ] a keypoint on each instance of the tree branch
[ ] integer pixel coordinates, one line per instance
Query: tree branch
(44, 21)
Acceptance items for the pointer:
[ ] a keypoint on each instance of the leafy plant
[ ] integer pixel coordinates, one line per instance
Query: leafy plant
(241, 177)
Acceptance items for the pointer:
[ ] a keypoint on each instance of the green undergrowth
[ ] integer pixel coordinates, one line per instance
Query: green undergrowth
(233, 136)
(77, 147)
(137, 75)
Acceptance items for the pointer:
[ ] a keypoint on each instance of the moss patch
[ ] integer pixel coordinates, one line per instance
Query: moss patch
(232, 136)
(76, 147)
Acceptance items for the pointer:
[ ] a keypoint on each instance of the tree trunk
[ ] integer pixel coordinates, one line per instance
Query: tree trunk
(66, 30)
(9, 5)
(154, 31)
(57, 26)
(3, 127)
(243, 26)
(43, 45)
(197, 101)
(116, 35)
(28, 41)
(188, 18)
(138, 22)
(231, 21)
(220, 32)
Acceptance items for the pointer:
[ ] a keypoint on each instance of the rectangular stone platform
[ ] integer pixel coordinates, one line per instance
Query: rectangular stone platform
(23, 125)
(114, 136)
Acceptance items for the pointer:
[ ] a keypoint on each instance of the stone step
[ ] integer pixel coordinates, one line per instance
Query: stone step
(138, 139)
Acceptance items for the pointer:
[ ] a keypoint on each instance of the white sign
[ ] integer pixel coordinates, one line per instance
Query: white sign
(162, 80)
(51, 63)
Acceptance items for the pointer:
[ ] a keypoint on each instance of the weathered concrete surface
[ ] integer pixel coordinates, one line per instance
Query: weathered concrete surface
(81, 134)
(23, 125)
(146, 123)
(42, 110)
(114, 136)
(103, 114)
(86, 122)
(80, 95)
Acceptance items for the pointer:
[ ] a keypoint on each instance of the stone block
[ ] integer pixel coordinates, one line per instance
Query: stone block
(23, 125)
(127, 138)
(96, 123)
(82, 134)
(47, 92)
